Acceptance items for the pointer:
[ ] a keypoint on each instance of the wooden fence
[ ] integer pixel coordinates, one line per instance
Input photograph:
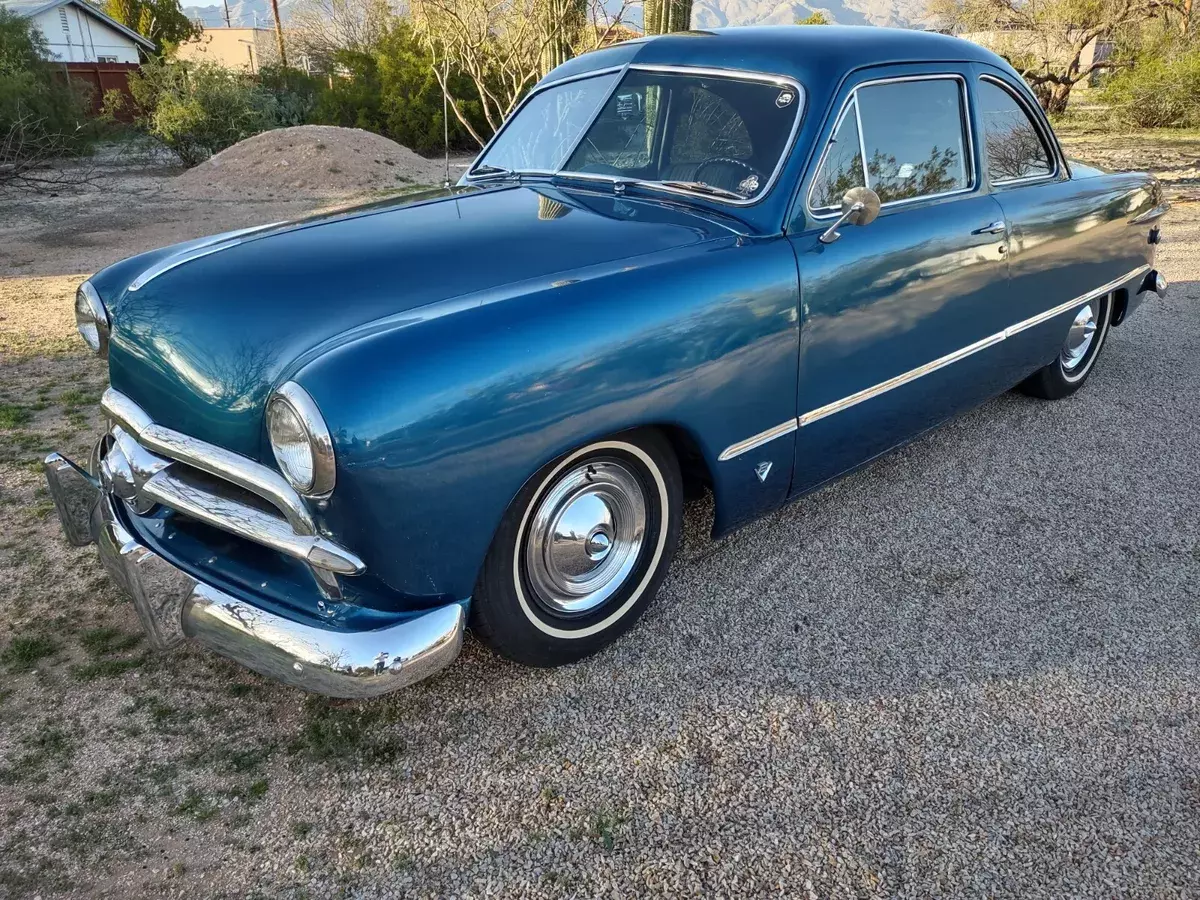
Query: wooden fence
(101, 77)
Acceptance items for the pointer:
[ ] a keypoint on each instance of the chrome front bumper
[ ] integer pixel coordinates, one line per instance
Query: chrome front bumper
(173, 605)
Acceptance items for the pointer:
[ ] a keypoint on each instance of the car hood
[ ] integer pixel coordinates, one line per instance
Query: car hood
(202, 332)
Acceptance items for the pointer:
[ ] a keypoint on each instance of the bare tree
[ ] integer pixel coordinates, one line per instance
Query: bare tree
(320, 28)
(34, 157)
(503, 46)
(1046, 40)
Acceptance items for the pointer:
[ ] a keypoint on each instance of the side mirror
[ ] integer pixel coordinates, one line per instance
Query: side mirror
(860, 206)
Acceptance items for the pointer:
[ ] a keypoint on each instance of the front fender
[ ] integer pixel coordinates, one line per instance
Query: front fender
(440, 415)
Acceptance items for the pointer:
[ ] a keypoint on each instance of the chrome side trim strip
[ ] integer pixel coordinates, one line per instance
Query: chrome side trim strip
(913, 374)
(892, 383)
(757, 440)
(904, 378)
(1070, 304)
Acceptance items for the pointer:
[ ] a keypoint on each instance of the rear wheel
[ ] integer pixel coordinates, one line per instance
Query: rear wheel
(581, 551)
(1075, 359)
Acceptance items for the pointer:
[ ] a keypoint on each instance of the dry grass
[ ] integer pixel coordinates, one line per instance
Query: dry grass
(126, 773)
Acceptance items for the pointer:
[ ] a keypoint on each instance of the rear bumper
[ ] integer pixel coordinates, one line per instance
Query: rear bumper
(172, 605)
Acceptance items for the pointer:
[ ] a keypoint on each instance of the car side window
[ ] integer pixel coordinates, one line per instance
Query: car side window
(907, 156)
(842, 167)
(914, 138)
(1015, 149)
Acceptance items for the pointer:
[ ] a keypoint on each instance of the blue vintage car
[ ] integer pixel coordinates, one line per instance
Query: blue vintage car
(748, 260)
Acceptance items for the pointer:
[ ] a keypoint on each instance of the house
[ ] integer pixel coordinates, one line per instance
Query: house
(78, 32)
(248, 49)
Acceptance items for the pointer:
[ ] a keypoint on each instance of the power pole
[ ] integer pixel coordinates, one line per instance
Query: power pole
(226, 3)
(279, 33)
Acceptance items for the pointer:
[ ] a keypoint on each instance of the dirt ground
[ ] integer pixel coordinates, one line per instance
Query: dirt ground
(669, 765)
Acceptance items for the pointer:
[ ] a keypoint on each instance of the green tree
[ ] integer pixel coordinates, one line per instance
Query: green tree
(162, 21)
(816, 18)
(411, 98)
(41, 118)
(1158, 82)
(198, 110)
(1045, 40)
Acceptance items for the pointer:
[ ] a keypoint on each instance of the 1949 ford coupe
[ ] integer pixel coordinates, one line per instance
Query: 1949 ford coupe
(751, 259)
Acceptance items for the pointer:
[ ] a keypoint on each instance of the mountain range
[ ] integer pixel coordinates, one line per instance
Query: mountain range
(705, 13)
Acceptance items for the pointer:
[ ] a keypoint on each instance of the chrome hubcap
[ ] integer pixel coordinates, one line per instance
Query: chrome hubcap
(1079, 338)
(585, 536)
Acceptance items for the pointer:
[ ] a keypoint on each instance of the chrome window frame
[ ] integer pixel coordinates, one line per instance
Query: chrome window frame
(973, 175)
(700, 71)
(1048, 144)
(595, 73)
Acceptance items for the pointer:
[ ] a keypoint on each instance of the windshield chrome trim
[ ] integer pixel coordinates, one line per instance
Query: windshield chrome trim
(537, 89)
(732, 74)
(975, 182)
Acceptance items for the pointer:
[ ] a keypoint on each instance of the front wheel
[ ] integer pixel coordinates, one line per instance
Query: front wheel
(1075, 359)
(581, 551)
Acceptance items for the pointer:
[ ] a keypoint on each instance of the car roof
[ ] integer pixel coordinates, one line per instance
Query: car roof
(805, 53)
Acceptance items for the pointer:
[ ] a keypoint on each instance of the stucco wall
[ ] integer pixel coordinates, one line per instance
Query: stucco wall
(233, 48)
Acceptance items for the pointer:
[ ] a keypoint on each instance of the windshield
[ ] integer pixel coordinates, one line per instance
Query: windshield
(717, 135)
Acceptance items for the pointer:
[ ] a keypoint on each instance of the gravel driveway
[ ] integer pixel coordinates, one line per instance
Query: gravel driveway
(970, 670)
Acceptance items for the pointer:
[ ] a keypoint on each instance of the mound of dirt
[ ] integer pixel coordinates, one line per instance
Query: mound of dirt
(308, 161)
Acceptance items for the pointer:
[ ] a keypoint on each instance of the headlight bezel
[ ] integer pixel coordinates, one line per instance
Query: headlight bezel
(300, 404)
(90, 313)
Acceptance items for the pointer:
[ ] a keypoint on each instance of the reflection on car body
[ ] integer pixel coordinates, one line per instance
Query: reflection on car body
(732, 260)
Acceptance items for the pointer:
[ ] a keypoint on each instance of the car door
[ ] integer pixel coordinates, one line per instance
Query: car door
(898, 318)
(1066, 236)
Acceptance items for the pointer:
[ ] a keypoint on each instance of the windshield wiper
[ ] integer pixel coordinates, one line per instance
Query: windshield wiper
(492, 172)
(701, 187)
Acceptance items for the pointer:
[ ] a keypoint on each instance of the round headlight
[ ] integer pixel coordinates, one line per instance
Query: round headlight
(300, 440)
(91, 318)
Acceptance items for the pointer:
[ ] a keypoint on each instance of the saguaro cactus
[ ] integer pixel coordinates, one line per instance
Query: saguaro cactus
(665, 16)
(562, 22)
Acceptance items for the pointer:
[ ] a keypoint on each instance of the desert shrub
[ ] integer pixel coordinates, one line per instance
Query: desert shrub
(41, 117)
(1159, 88)
(392, 90)
(411, 98)
(295, 94)
(353, 97)
(198, 110)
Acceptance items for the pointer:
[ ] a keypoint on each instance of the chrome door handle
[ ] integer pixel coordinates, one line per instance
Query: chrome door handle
(994, 228)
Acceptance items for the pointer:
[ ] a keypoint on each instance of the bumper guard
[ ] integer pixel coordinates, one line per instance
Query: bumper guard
(172, 605)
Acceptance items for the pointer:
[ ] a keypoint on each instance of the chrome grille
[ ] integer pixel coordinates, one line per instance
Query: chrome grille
(145, 464)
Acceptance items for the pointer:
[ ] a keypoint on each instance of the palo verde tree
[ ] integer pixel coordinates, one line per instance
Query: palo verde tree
(501, 48)
(1046, 40)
